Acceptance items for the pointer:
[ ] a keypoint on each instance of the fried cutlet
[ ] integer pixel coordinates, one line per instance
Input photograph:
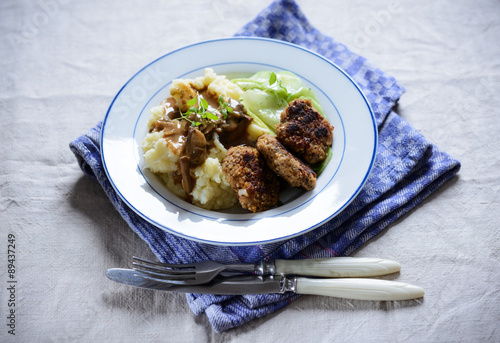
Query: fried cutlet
(256, 186)
(305, 131)
(286, 165)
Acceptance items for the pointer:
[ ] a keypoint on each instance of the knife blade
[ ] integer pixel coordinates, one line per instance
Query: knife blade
(233, 284)
(349, 288)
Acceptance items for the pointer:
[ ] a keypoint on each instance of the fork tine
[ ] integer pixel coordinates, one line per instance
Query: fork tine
(166, 277)
(185, 274)
(166, 265)
(163, 270)
(161, 278)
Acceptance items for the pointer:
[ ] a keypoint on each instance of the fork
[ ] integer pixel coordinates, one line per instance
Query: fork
(205, 271)
(192, 273)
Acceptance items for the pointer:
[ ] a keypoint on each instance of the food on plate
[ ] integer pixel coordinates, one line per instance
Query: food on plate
(189, 134)
(305, 131)
(284, 164)
(266, 94)
(256, 186)
(217, 142)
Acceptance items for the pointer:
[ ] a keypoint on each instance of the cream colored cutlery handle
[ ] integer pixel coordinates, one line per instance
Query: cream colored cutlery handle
(362, 289)
(338, 267)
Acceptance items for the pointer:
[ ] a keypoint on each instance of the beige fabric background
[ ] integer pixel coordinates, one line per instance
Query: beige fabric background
(62, 62)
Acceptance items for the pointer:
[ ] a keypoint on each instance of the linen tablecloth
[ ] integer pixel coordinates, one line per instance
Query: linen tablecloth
(62, 63)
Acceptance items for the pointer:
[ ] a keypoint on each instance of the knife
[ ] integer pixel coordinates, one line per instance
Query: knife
(349, 288)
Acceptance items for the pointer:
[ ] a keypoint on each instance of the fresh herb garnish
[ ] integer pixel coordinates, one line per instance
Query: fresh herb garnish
(275, 86)
(199, 106)
(224, 107)
(272, 78)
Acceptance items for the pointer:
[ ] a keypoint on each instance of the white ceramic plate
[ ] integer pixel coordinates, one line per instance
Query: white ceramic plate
(354, 147)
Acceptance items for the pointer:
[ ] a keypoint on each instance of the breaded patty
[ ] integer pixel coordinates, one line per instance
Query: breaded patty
(286, 165)
(255, 184)
(305, 131)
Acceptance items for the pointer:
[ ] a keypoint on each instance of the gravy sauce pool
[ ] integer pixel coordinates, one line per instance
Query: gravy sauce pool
(194, 143)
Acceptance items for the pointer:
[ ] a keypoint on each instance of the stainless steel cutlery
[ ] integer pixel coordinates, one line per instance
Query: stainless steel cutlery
(342, 277)
(203, 272)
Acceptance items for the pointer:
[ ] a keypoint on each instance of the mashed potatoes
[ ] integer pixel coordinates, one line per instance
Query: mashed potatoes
(161, 154)
(182, 90)
(211, 190)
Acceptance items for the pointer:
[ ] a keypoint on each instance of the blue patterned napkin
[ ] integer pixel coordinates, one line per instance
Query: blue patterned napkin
(407, 169)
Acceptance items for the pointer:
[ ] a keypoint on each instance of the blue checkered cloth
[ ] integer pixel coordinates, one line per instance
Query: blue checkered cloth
(407, 169)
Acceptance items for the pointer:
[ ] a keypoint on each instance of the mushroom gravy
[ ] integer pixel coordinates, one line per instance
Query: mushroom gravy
(193, 142)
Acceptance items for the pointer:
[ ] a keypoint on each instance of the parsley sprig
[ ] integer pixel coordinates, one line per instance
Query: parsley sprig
(276, 86)
(224, 107)
(199, 106)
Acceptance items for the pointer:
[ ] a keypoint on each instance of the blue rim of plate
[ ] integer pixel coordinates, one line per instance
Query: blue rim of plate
(295, 234)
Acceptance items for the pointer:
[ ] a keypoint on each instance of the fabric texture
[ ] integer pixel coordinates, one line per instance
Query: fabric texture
(407, 169)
